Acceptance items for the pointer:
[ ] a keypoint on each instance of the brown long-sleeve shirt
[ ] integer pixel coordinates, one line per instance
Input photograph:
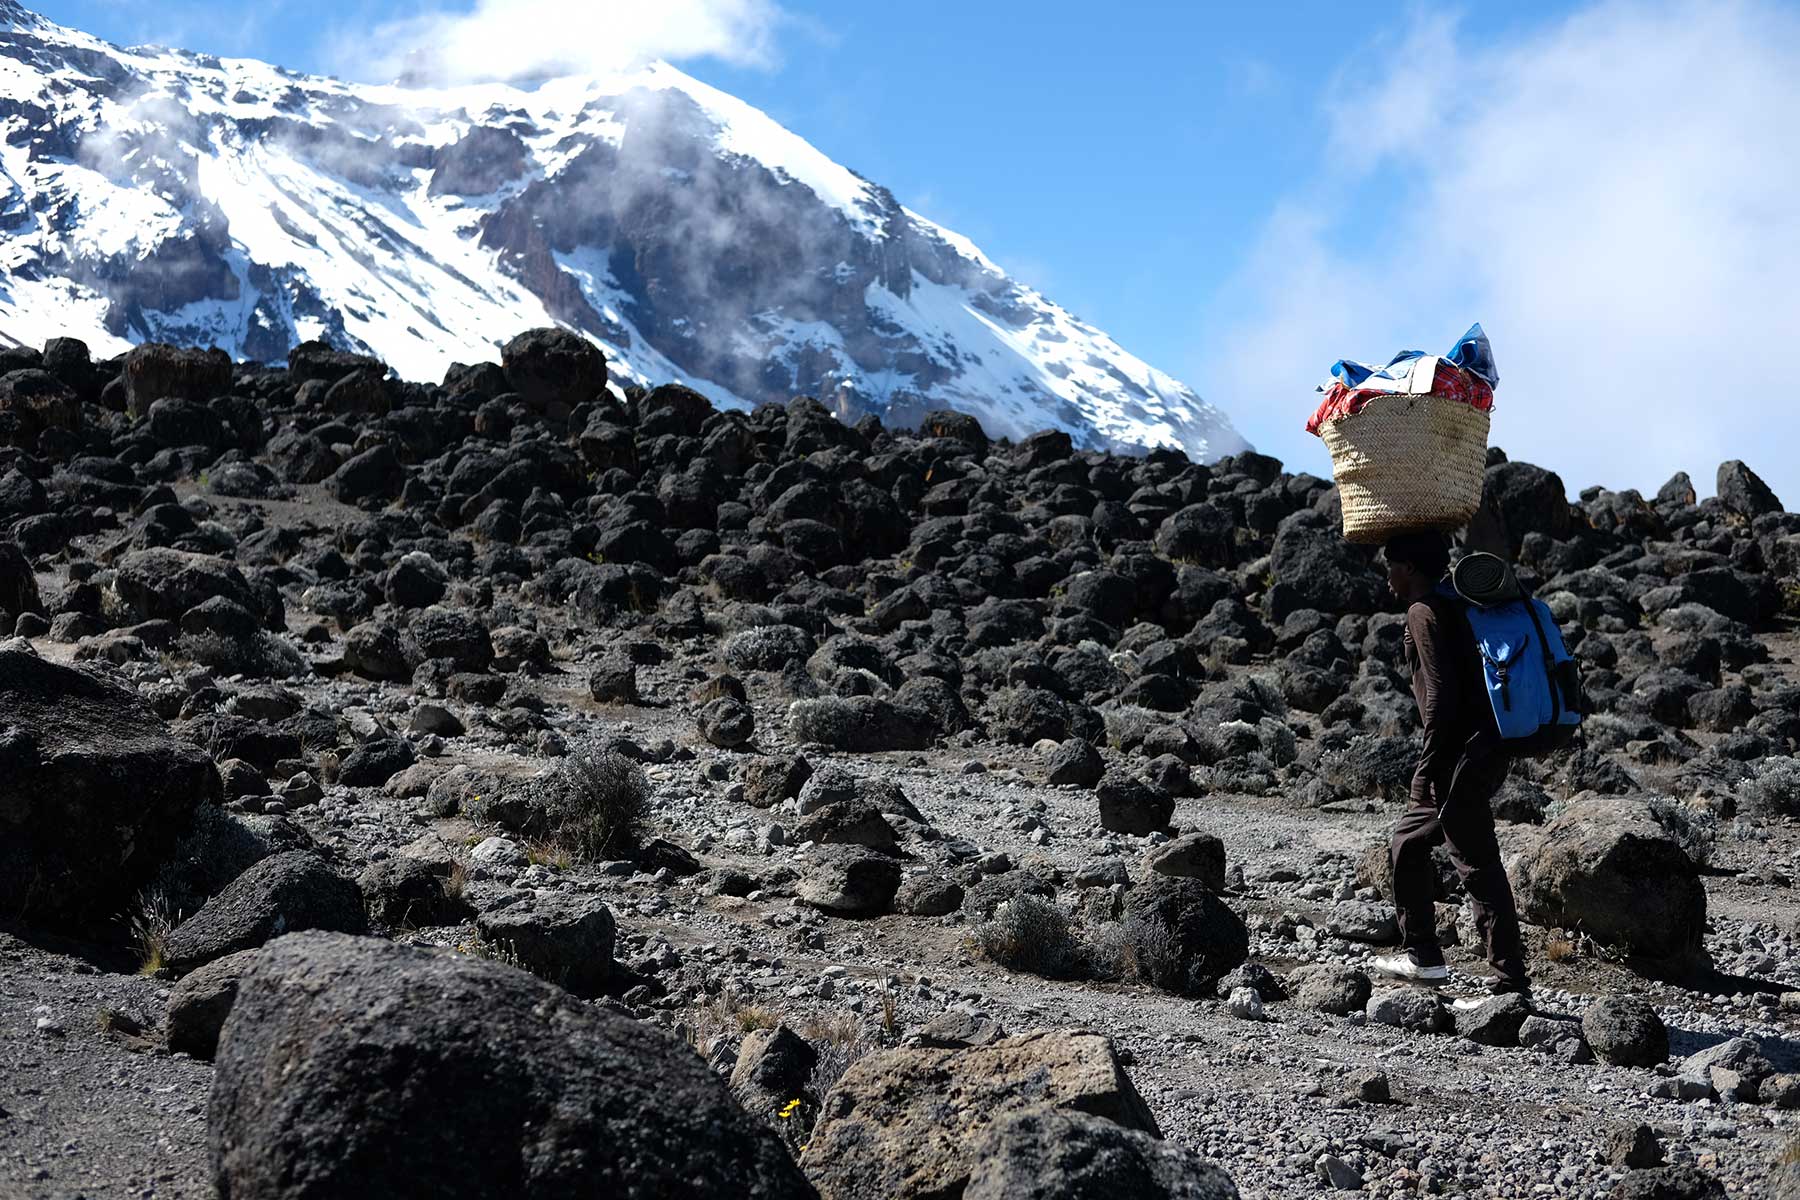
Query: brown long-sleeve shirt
(1448, 687)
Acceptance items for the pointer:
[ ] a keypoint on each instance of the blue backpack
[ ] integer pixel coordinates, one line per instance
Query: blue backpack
(1532, 680)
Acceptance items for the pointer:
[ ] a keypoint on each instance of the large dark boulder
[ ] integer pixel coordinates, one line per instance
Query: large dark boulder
(1625, 1031)
(155, 371)
(375, 474)
(375, 762)
(451, 635)
(1065, 1154)
(1202, 534)
(326, 363)
(403, 892)
(283, 893)
(1314, 567)
(374, 650)
(911, 1122)
(163, 584)
(1196, 938)
(176, 422)
(94, 793)
(1743, 493)
(865, 724)
(554, 368)
(851, 881)
(565, 937)
(33, 401)
(1129, 805)
(1528, 500)
(18, 585)
(774, 1067)
(672, 408)
(1681, 1181)
(956, 427)
(199, 1004)
(354, 1067)
(1607, 869)
(363, 392)
(301, 457)
(21, 496)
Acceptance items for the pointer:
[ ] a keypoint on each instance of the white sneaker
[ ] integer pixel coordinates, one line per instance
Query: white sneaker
(1471, 1003)
(1402, 966)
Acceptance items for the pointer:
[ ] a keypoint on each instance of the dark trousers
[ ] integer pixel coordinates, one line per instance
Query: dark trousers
(1466, 825)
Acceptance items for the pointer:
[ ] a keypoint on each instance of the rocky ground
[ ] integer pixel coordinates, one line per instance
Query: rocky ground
(844, 760)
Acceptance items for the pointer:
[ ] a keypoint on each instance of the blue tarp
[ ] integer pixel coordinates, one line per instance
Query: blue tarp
(1472, 353)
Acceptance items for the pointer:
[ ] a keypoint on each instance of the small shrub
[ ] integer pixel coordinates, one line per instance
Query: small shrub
(1032, 935)
(1694, 829)
(1134, 950)
(592, 803)
(1774, 791)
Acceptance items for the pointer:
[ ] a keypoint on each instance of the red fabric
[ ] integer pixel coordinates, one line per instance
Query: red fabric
(1450, 383)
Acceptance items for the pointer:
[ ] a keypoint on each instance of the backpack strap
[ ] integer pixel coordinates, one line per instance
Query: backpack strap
(1549, 660)
(1502, 670)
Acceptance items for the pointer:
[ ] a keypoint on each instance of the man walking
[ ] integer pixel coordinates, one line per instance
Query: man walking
(1460, 769)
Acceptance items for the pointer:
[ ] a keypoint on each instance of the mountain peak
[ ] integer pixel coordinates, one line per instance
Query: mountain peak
(159, 195)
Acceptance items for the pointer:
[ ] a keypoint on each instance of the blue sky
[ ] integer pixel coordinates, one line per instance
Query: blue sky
(1243, 193)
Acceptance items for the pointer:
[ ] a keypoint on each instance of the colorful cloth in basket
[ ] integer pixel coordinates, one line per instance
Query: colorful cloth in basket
(1466, 374)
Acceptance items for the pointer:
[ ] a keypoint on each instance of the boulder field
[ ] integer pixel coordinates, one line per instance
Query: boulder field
(524, 783)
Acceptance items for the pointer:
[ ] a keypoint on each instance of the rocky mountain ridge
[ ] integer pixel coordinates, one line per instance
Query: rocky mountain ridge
(157, 195)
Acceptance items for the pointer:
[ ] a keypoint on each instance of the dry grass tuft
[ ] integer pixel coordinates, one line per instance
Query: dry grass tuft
(751, 1018)
(544, 852)
(151, 923)
(500, 952)
(840, 1040)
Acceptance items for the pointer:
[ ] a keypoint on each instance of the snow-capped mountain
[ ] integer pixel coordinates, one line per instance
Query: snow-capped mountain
(159, 195)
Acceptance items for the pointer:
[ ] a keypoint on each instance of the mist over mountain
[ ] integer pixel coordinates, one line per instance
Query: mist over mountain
(160, 195)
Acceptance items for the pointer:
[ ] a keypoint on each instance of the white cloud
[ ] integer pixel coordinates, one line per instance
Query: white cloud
(517, 40)
(1616, 198)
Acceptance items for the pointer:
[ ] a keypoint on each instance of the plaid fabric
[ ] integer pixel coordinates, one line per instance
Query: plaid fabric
(1449, 383)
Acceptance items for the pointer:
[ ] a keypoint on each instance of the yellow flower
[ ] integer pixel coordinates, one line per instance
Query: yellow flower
(788, 1111)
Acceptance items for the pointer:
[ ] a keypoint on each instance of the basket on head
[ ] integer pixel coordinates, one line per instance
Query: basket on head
(1407, 463)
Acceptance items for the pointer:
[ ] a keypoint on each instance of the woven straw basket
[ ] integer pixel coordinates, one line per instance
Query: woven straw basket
(1408, 463)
